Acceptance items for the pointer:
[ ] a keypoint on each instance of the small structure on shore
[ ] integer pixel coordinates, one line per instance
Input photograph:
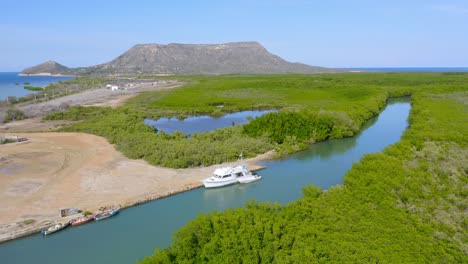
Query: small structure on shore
(112, 87)
(68, 211)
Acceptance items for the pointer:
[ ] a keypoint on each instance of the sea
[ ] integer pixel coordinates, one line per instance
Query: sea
(13, 85)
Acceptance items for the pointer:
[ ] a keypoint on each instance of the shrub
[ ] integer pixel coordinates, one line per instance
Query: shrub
(86, 213)
(14, 115)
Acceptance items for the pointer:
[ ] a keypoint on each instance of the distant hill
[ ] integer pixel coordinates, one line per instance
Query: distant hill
(184, 59)
(46, 68)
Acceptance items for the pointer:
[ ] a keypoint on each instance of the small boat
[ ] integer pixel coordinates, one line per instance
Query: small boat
(55, 228)
(249, 178)
(107, 214)
(82, 220)
(226, 176)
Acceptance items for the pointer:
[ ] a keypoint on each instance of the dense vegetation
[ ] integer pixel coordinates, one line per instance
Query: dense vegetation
(331, 106)
(76, 113)
(405, 205)
(311, 108)
(303, 126)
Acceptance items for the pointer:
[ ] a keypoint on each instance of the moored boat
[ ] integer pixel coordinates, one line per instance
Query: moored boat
(249, 178)
(107, 214)
(227, 176)
(221, 177)
(82, 220)
(55, 228)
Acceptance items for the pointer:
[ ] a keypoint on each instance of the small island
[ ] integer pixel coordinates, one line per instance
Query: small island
(33, 88)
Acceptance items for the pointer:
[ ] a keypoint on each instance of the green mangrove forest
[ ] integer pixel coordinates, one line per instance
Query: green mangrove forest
(311, 108)
(407, 204)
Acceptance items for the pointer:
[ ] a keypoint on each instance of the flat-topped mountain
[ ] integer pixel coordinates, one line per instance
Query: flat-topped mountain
(46, 68)
(183, 59)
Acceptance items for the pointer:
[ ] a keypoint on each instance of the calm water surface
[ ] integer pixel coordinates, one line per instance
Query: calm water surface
(197, 124)
(9, 80)
(137, 231)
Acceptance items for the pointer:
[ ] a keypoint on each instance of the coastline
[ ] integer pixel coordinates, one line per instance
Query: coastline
(46, 74)
(96, 96)
(31, 203)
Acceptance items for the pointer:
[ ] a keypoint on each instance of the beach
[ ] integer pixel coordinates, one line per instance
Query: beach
(61, 170)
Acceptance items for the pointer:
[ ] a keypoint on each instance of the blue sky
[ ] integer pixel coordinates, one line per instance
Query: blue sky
(332, 33)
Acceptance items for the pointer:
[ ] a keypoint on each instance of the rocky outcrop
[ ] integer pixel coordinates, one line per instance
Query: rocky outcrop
(47, 68)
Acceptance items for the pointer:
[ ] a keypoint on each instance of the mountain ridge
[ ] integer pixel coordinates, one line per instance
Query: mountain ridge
(189, 59)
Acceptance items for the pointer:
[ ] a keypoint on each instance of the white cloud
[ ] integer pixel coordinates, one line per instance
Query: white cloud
(451, 9)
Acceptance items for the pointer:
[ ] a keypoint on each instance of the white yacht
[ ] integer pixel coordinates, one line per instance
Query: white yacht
(249, 178)
(227, 176)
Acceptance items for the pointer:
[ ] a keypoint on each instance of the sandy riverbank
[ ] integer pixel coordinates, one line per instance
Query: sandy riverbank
(54, 170)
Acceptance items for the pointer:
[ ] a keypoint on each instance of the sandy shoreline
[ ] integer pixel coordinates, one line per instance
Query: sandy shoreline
(46, 74)
(55, 170)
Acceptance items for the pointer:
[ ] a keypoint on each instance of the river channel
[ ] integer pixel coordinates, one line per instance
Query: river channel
(137, 231)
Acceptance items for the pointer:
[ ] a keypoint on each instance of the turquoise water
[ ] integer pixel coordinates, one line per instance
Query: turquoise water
(137, 231)
(9, 80)
(197, 124)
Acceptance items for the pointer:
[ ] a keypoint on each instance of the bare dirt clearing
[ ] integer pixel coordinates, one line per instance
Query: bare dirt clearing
(55, 170)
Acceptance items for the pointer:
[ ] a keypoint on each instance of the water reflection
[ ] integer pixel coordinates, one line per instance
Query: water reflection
(223, 196)
(326, 149)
